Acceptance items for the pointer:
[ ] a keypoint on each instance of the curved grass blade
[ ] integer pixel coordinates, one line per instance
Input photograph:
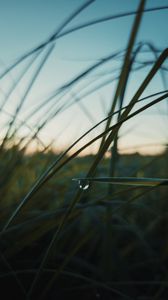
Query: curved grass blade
(109, 18)
(50, 39)
(75, 28)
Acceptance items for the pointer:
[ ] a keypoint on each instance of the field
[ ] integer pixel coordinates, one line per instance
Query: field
(92, 226)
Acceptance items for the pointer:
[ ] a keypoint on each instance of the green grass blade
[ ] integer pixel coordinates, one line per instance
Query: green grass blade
(126, 181)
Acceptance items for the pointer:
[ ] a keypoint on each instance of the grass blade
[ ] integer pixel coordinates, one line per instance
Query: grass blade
(126, 181)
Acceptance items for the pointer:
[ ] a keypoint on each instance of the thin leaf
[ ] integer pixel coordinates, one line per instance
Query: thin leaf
(125, 181)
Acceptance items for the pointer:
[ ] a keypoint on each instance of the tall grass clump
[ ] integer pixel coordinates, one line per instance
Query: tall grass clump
(92, 226)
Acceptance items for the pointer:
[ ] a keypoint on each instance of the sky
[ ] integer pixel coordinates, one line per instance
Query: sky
(26, 24)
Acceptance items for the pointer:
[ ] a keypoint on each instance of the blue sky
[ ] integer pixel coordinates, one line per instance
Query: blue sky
(25, 24)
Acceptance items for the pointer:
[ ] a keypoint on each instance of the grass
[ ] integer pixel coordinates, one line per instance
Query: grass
(104, 236)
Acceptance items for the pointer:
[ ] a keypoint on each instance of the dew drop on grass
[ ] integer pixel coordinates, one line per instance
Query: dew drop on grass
(83, 184)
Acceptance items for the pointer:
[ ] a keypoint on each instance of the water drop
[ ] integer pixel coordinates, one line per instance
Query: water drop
(83, 184)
